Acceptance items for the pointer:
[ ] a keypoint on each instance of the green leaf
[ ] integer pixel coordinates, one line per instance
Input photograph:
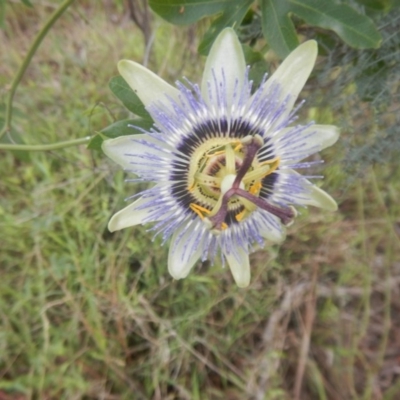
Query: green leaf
(277, 27)
(182, 12)
(376, 4)
(259, 66)
(251, 55)
(128, 97)
(96, 142)
(355, 29)
(125, 127)
(326, 42)
(233, 16)
(120, 128)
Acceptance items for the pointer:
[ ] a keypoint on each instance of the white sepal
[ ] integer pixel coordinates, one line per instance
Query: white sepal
(226, 63)
(240, 266)
(184, 251)
(146, 84)
(129, 216)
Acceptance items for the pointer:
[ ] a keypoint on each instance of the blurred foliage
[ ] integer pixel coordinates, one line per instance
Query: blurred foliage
(3, 9)
(365, 92)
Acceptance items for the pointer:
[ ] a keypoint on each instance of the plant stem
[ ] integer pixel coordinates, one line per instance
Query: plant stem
(20, 73)
(44, 147)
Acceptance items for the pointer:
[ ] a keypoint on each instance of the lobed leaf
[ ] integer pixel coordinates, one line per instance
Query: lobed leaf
(355, 29)
(376, 4)
(277, 27)
(182, 12)
(232, 16)
(259, 67)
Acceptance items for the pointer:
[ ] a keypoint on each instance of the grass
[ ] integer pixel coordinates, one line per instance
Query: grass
(86, 314)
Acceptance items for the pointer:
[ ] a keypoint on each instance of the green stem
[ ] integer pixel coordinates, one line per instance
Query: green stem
(20, 73)
(44, 147)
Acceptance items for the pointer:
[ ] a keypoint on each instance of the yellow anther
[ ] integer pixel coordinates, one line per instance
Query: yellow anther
(238, 147)
(191, 187)
(217, 153)
(274, 166)
(197, 212)
(224, 226)
(254, 189)
(241, 215)
(199, 209)
(274, 160)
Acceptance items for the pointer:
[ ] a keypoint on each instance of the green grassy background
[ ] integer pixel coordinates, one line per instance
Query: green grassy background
(85, 314)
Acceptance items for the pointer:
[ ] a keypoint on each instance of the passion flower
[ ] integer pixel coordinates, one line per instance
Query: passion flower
(222, 158)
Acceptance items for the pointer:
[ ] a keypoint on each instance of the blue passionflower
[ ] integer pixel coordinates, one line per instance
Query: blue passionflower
(223, 159)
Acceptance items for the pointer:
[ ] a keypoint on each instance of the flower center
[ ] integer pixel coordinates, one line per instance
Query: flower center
(225, 177)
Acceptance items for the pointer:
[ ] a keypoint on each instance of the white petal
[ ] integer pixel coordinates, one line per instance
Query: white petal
(319, 198)
(124, 149)
(129, 216)
(272, 229)
(240, 266)
(309, 195)
(296, 146)
(293, 73)
(226, 61)
(184, 251)
(146, 84)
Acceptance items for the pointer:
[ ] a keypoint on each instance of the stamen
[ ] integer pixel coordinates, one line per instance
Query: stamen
(257, 174)
(216, 153)
(275, 164)
(230, 159)
(255, 189)
(207, 180)
(199, 209)
(248, 205)
(241, 215)
(217, 206)
(218, 214)
(238, 147)
(273, 160)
